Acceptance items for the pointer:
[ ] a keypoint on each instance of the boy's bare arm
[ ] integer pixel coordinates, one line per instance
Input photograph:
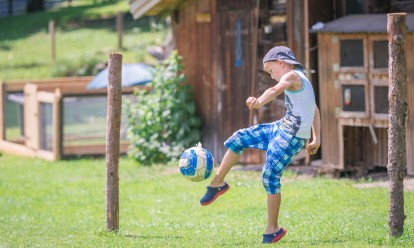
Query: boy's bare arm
(313, 146)
(271, 93)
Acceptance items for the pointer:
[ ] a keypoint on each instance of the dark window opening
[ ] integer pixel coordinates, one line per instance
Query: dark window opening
(353, 98)
(380, 54)
(352, 53)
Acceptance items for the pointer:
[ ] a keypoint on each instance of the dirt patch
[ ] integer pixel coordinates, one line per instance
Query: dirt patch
(379, 178)
(408, 184)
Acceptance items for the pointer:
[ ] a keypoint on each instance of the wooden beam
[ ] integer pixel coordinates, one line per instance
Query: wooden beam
(289, 24)
(139, 8)
(67, 86)
(16, 149)
(57, 121)
(2, 111)
(46, 97)
(90, 149)
(31, 117)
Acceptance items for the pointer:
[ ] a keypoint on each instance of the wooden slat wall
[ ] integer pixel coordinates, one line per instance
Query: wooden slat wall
(209, 63)
(236, 81)
(375, 154)
(356, 132)
(329, 124)
(195, 42)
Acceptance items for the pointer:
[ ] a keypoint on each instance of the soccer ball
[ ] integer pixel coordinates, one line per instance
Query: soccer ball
(196, 163)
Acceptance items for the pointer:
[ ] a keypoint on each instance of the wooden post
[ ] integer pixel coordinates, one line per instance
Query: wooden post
(31, 117)
(398, 111)
(119, 28)
(57, 134)
(252, 113)
(112, 141)
(52, 41)
(2, 112)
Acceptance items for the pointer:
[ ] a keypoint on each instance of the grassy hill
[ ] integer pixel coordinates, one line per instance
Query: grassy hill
(85, 35)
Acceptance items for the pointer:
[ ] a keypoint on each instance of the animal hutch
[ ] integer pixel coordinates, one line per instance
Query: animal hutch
(54, 118)
(353, 87)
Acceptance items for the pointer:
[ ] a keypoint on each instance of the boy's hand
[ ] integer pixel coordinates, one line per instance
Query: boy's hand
(252, 102)
(313, 147)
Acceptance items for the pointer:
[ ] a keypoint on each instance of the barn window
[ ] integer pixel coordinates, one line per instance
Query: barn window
(352, 53)
(381, 99)
(353, 98)
(380, 54)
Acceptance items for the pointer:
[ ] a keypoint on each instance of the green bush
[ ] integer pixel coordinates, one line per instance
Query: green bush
(162, 121)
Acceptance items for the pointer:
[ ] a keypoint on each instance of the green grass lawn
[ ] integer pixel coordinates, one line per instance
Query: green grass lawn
(84, 32)
(62, 204)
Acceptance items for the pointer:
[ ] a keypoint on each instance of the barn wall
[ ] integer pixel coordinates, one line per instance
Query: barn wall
(196, 42)
(218, 63)
(329, 124)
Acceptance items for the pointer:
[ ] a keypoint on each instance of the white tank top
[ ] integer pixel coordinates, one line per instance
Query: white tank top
(300, 109)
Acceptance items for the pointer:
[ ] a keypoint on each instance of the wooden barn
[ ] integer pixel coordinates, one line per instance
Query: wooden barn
(223, 43)
(353, 87)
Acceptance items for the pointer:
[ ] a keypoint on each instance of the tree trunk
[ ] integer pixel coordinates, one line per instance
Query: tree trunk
(113, 128)
(398, 110)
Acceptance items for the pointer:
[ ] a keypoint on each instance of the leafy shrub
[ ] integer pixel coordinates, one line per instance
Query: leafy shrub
(162, 121)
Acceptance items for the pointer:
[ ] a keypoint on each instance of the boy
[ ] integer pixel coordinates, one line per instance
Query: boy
(282, 139)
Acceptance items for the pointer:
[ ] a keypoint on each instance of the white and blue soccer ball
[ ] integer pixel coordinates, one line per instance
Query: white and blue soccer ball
(196, 163)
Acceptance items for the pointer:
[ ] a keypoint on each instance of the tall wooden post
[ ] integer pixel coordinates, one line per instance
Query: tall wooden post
(52, 41)
(2, 111)
(398, 111)
(113, 128)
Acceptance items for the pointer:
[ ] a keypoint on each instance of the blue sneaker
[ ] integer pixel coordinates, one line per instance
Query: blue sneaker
(274, 237)
(212, 194)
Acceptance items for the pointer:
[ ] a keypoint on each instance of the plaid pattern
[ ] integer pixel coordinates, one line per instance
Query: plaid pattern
(280, 148)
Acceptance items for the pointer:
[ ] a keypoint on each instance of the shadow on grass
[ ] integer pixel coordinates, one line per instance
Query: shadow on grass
(134, 236)
(151, 237)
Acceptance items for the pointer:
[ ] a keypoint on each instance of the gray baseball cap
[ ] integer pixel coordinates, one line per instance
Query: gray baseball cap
(282, 53)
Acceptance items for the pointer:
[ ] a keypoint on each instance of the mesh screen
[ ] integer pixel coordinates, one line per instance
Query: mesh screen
(84, 120)
(46, 126)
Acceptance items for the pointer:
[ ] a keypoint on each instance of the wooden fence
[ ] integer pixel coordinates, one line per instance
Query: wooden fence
(35, 95)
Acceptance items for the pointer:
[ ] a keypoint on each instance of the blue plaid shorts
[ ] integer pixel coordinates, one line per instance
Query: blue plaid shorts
(279, 145)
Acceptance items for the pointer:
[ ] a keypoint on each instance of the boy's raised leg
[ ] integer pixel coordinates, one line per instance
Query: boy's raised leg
(229, 159)
(218, 186)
